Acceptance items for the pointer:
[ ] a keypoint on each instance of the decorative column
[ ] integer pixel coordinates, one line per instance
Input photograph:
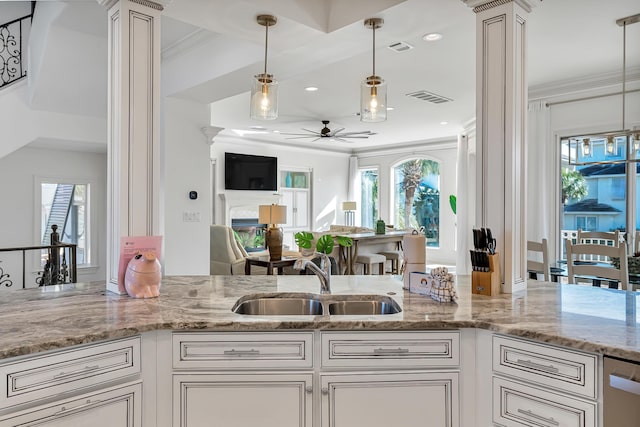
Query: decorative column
(501, 100)
(133, 120)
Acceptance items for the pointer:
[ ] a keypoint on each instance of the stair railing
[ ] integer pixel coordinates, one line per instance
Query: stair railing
(13, 38)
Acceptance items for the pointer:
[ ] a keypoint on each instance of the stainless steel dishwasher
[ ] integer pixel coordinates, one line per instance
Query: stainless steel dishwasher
(621, 393)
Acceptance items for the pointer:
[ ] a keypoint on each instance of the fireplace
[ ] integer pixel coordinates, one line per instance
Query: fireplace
(250, 233)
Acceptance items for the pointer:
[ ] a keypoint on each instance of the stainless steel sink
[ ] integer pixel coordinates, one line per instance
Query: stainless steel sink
(275, 305)
(365, 305)
(289, 304)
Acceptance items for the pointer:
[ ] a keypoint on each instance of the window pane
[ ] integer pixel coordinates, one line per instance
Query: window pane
(66, 205)
(368, 197)
(417, 197)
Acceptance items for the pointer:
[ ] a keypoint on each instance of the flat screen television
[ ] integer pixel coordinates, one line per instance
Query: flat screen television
(249, 172)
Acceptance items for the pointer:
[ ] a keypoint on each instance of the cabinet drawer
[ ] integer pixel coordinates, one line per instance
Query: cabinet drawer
(115, 406)
(390, 349)
(562, 369)
(38, 377)
(246, 350)
(516, 404)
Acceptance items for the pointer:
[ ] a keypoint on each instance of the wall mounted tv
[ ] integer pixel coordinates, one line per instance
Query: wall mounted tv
(249, 172)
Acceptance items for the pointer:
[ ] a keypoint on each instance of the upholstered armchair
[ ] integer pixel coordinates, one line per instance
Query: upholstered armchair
(226, 256)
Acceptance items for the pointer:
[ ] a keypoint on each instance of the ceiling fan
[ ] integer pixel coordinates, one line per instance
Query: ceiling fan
(333, 135)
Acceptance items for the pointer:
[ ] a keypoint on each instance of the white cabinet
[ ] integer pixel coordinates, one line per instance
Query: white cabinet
(242, 379)
(536, 385)
(297, 202)
(390, 378)
(112, 407)
(240, 400)
(387, 399)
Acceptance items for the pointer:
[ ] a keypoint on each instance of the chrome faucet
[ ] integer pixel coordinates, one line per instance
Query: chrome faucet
(323, 272)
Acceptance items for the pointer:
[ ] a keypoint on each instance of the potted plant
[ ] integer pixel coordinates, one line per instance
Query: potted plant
(324, 244)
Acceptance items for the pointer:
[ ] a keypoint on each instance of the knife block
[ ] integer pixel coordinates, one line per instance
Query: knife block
(487, 282)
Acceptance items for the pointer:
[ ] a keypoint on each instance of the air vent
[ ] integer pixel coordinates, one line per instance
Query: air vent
(400, 47)
(423, 95)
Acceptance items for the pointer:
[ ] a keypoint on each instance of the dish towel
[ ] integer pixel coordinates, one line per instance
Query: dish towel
(443, 288)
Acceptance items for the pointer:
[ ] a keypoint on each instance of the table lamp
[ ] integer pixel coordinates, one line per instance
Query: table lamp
(349, 213)
(272, 215)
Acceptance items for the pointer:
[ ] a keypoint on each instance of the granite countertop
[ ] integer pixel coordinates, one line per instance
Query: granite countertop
(592, 319)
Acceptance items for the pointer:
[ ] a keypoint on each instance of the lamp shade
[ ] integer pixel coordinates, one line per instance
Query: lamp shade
(264, 97)
(349, 206)
(272, 214)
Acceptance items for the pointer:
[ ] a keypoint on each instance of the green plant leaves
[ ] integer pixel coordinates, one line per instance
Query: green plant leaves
(453, 201)
(325, 244)
(304, 239)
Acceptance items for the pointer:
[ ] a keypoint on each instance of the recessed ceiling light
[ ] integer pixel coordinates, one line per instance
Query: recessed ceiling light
(431, 37)
(389, 108)
(444, 123)
(276, 131)
(311, 88)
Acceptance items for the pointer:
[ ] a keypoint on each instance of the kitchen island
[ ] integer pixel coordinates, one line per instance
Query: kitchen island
(591, 319)
(76, 353)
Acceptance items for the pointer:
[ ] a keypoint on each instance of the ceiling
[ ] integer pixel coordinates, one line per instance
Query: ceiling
(211, 49)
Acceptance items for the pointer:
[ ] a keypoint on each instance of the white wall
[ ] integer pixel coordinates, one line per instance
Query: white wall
(329, 182)
(186, 168)
(443, 152)
(20, 213)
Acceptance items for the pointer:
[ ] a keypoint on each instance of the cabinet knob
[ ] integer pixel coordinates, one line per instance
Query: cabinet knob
(309, 389)
(325, 390)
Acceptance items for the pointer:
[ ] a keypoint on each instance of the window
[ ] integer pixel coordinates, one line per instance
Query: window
(66, 205)
(618, 188)
(417, 197)
(369, 184)
(586, 223)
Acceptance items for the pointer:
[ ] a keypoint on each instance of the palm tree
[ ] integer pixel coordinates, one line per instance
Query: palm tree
(412, 173)
(574, 187)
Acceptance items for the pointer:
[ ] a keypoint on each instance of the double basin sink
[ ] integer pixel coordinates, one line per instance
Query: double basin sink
(283, 304)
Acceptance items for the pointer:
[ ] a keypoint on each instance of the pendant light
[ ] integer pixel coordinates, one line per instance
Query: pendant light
(373, 91)
(264, 91)
(630, 138)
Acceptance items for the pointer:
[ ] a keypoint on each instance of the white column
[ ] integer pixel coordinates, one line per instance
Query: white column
(133, 119)
(462, 207)
(501, 100)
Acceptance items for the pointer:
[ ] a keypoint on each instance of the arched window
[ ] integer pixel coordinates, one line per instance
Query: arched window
(416, 197)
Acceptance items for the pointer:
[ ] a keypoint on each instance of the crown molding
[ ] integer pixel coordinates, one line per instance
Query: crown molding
(445, 143)
(187, 43)
(482, 5)
(570, 86)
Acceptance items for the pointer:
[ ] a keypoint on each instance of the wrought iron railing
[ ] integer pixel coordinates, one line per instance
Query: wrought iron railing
(57, 261)
(12, 45)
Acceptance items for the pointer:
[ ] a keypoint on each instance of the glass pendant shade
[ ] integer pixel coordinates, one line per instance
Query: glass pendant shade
(373, 100)
(610, 145)
(586, 147)
(264, 97)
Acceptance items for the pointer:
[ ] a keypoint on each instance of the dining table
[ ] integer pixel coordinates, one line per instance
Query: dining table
(559, 270)
(360, 241)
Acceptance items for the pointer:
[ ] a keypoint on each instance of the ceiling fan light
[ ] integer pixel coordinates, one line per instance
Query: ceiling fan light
(373, 100)
(264, 97)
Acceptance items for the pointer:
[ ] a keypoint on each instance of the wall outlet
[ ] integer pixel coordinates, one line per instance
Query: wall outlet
(190, 216)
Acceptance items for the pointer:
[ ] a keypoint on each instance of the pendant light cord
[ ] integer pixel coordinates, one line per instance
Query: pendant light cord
(374, 49)
(266, 43)
(624, 69)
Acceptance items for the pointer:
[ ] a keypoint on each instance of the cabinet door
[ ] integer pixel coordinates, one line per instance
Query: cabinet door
(390, 399)
(287, 200)
(115, 407)
(301, 211)
(241, 400)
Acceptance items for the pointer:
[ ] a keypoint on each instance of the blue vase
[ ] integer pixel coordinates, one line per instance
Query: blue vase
(287, 180)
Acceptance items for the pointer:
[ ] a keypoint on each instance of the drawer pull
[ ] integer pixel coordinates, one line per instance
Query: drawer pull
(76, 372)
(539, 417)
(388, 351)
(530, 364)
(625, 384)
(65, 411)
(240, 353)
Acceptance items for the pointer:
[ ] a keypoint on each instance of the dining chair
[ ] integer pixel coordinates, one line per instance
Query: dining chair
(607, 238)
(534, 265)
(576, 266)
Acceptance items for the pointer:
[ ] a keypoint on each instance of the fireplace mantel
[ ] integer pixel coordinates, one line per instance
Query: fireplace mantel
(244, 204)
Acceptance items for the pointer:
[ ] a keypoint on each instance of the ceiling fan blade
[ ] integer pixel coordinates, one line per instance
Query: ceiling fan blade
(336, 131)
(302, 137)
(312, 131)
(366, 132)
(337, 138)
(352, 136)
